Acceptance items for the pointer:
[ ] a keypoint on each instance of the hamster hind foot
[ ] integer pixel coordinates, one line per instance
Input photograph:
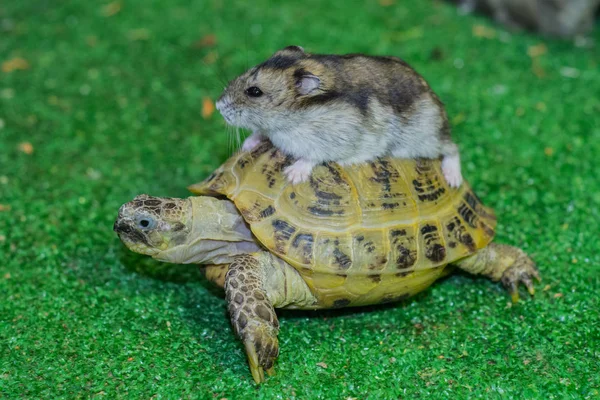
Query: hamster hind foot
(299, 171)
(451, 170)
(252, 141)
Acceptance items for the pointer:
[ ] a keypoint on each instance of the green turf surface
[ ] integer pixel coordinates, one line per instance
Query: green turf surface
(110, 101)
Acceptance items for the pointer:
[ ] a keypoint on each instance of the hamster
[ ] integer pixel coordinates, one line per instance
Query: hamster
(344, 108)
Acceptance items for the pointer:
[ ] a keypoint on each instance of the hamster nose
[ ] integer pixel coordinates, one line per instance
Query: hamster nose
(222, 103)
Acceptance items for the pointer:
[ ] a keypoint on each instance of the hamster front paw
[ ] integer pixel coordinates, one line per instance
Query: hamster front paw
(252, 141)
(451, 170)
(299, 171)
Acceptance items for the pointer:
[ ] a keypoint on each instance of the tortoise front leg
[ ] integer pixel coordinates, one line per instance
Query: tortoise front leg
(252, 314)
(254, 285)
(504, 263)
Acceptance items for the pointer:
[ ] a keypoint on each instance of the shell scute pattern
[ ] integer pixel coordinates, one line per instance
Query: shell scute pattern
(326, 200)
(382, 192)
(403, 248)
(370, 249)
(352, 225)
(432, 243)
(301, 248)
(334, 253)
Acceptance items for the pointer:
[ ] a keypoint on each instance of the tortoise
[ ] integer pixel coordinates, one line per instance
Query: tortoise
(351, 236)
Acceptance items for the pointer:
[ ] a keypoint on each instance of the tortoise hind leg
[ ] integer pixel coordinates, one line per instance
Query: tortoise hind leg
(504, 263)
(254, 285)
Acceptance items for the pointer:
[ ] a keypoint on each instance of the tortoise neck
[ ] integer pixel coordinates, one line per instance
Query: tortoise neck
(217, 234)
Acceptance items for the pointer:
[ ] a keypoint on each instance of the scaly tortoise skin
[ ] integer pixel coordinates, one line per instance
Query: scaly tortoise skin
(351, 236)
(358, 235)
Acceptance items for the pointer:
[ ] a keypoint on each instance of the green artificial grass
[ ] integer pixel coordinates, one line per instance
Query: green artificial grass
(109, 98)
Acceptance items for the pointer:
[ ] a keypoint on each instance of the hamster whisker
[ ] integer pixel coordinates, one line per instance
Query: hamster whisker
(234, 140)
(218, 73)
(230, 144)
(239, 139)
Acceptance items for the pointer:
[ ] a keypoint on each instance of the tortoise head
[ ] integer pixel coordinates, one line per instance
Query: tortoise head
(198, 230)
(149, 225)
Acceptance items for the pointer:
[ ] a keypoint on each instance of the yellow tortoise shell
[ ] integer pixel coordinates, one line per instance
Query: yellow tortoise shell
(360, 234)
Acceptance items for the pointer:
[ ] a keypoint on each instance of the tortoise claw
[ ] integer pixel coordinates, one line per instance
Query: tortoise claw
(522, 271)
(255, 368)
(514, 296)
(261, 355)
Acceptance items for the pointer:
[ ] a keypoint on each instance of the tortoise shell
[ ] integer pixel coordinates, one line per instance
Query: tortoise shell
(359, 234)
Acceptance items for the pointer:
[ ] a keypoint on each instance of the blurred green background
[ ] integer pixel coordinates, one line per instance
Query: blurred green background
(101, 101)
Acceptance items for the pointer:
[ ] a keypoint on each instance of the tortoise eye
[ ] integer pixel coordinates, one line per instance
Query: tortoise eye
(145, 222)
(254, 92)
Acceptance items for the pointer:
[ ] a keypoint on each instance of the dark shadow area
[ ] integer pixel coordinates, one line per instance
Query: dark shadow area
(177, 273)
(173, 273)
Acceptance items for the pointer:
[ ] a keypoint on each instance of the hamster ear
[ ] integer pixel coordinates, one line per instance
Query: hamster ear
(306, 82)
(295, 49)
(292, 49)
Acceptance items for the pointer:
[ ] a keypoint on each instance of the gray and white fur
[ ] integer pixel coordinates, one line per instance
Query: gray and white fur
(348, 109)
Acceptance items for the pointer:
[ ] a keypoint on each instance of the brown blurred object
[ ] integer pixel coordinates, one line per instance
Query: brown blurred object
(15, 64)
(209, 40)
(208, 108)
(112, 9)
(550, 17)
(26, 147)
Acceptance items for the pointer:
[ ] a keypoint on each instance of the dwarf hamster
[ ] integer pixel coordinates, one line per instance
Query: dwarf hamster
(344, 108)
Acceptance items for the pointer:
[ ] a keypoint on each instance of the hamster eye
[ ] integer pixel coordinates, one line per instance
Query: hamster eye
(254, 92)
(146, 222)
